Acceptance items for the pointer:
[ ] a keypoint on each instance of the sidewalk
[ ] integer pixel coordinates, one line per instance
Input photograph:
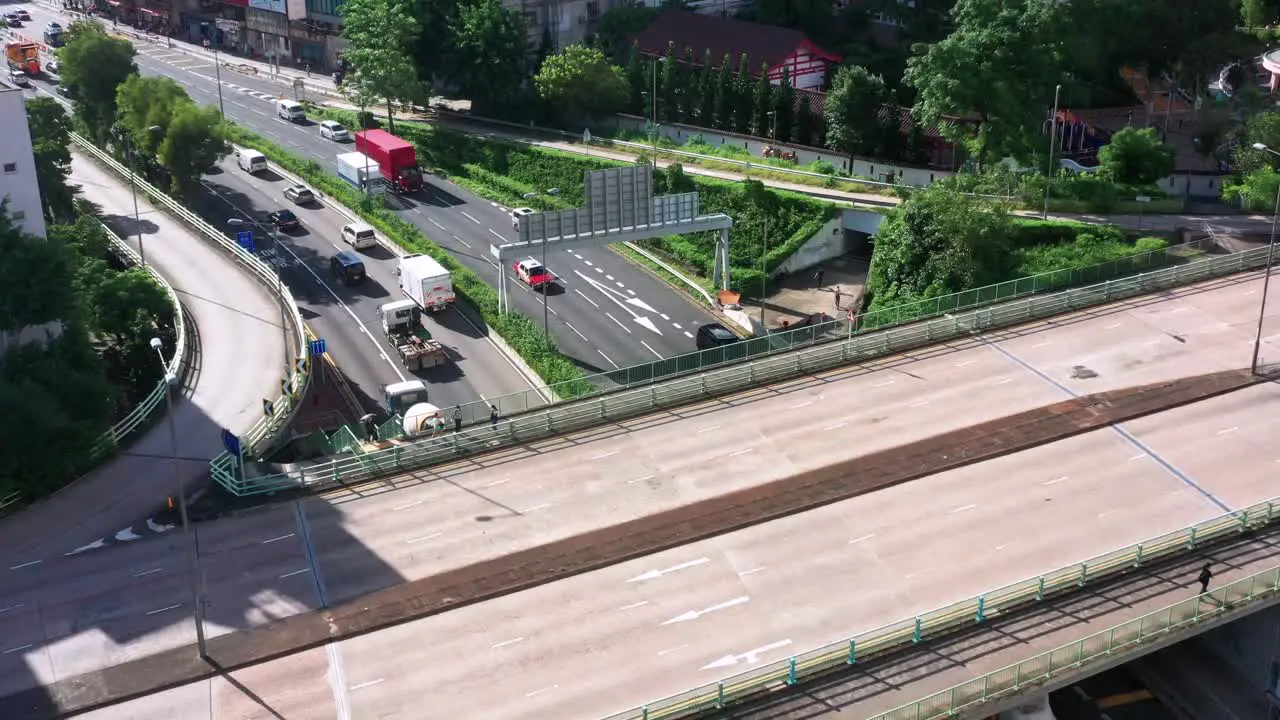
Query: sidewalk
(237, 360)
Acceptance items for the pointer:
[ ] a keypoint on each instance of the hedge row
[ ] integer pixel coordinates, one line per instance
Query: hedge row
(768, 224)
(525, 337)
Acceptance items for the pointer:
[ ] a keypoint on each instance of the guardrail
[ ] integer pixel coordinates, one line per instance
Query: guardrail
(143, 411)
(295, 384)
(583, 413)
(966, 613)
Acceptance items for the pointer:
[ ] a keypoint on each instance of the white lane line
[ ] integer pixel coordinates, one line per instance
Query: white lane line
(164, 609)
(650, 477)
(857, 540)
(1136, 457)
(588, 262)
(668, 651)
(1108, 512)
(464, 212)
(12, 607)
(406, 506)
(688, 334)
(677, 326)
(1112, 326)
(498, 482)
(966, 363)
(655, 352)
(495, 234)
(885, 383)
(709, 428)
(803, 404)
(837, 426)
(920, 403)
(539, 692)
(1229, 430)
(584, 337)
(1042, 344)
(535, 508)
(295, 572)
(274, 539)
(634, 605)
(505, 643)
(424, 538)
(663, 316)
(963, 508)
(610, 278)
(16, 649)
(1005, 381)
(615, 365)
(602, 456)
(593, 302)
(147, 572)
(1055, 481)
(736, 453)
(433, 222)
(752, 571)
(371, 683)
(37, 562)
(615, 320)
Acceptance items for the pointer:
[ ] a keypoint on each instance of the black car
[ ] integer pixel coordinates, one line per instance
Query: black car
(285, 219)
(714, 335)
(347, 267)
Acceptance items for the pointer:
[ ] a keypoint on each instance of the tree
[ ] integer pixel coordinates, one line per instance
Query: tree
(1262, 128)
(1259, 13)
(707, 91)
(617, 27)
(726, 97)
(92, 66)
(489, 54)
(192, 145)
(432, 43)
(580, 82)
(1136, 157)
(762, 105)
(689, 92)
(50, 139)
(853, 111)
(1256, 190)
(379, 34)
(668, 111)
(784, 107)
(636, 80)
(938, 242)
(744, 99)
(806, 124)
(1000, 65)
(147, 102)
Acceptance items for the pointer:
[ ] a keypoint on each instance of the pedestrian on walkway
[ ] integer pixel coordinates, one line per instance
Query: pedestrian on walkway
(838, 298)
(457, 418)
(817, 278)
(1205, 576)
(493, 416)
(370, 428)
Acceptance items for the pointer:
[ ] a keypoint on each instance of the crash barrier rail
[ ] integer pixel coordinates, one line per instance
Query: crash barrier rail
(292, 387)
(480, 435)
(975, 611)
(143, 411)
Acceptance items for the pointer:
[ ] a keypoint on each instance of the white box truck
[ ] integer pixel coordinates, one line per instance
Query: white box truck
(426, 282)
(357, 168)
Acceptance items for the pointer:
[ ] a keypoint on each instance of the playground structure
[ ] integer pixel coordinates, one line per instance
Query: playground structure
(1078, 142)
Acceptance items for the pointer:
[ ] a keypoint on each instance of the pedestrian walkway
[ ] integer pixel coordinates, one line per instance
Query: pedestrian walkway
(238, 357)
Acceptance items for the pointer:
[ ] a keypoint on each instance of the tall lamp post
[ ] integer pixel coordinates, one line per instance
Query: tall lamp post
(217, 72)
(193, 559)
(1266, 278)
(133, 189)
(284, 327)
(546, 293)
(1053, 142)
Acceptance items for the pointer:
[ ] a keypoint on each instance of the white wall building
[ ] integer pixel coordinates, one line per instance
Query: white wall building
(18, 185)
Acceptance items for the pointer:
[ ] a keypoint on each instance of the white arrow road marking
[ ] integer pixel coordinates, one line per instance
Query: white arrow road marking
(156, 527)
(751, 657)
(695, 614)
(126, 535)
(624, 302)
(91, 546)
(655, 574)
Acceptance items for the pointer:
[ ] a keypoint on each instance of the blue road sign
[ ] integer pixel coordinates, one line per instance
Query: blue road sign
(231, 442)
(318, 347)
(244, 239)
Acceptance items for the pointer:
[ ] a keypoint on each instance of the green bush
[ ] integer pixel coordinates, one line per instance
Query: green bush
(520, 332)
(1102, 245)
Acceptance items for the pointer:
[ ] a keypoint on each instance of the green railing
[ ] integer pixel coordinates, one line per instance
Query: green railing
(967, 613)
(478, 436)
(1228, 600)
(297, 377)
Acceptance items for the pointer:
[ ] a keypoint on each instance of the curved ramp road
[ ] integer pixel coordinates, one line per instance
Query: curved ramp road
(239, 360)
(661, 620)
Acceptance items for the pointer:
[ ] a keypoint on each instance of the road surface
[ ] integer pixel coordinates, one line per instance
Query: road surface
(240, 355)
(93, 610)
(347, 317)
(590, 319)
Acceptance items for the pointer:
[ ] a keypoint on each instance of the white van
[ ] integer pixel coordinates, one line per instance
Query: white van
(251, 161)
(291, 110)
(359, 236)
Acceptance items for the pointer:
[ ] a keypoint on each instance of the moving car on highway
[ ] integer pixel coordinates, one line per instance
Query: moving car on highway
(532, 273)
(332, 130)
(299, 194)
(285, 220)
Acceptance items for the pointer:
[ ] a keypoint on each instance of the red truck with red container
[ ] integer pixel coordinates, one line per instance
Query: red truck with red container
(397, 159)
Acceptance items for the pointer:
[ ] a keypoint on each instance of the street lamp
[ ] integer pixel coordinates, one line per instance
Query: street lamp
(1266, 278)
(1053, 141)
(284, 328)
(217, 72)
(773, 126)
(653, 112)
(193, 559)
(133, 188)
(546, 292)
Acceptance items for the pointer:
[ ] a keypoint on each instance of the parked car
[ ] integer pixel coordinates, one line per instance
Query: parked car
(285, 219)
(299, 194)
(53, 27)
(51, 67)
(334, 131)
(533, 274)
(12, 20)
(19, 78)
(714, 335)
(23, 14)
(519, 213)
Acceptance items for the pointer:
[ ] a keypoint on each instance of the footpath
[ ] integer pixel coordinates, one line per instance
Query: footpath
(237, 359)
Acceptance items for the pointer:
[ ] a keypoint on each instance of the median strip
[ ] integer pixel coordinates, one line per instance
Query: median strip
(608, 546)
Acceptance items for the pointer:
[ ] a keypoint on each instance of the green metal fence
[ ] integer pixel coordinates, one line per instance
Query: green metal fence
(479, 436)
(974, 611)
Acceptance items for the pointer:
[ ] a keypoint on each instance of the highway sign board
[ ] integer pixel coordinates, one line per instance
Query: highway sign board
(231, 442)
(244, 239)
(318, 346)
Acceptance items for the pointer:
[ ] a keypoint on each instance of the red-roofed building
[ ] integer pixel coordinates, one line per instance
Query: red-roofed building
(775, 47)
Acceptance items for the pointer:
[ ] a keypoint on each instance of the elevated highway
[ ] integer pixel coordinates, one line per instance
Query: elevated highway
(615, 638)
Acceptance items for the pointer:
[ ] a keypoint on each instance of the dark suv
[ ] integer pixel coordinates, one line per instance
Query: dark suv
(347, 267)
(714, 335)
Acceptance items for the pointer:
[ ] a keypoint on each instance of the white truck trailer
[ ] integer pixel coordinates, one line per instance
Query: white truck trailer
(425, 282)
(357, 169)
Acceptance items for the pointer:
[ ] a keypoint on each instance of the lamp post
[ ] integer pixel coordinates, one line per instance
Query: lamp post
(773, 126)
(764, 276)
(193, 559)
(653, 112)
(546, 292)
(284, 327)
(133, 189)
(1266, 278)
(1053, 141)
(217, 72)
